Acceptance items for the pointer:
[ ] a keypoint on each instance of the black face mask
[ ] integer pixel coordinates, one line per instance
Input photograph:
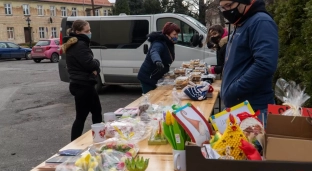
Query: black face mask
(210, 45)
(215, 40)
(233, 15)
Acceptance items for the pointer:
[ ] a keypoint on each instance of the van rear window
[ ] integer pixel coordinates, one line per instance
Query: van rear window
(43, 43)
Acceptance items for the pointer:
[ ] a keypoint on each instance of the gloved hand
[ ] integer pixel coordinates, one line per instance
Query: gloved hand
(160, 65)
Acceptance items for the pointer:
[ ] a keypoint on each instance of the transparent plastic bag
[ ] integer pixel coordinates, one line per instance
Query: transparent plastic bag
(87, 161)
(292, 95)
(114, 153)
(128, 129)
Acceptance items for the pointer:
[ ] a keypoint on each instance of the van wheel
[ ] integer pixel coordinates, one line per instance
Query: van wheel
(37, 60)
(54, 58)
(98, 87)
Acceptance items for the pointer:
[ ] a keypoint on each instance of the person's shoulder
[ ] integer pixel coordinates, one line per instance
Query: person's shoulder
(262, 16)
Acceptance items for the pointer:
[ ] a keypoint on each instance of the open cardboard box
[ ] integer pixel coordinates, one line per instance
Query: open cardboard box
(195, 161)
(288, 139)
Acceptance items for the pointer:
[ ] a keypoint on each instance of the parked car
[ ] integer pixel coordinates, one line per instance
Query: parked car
(46, 49)
(12, 50)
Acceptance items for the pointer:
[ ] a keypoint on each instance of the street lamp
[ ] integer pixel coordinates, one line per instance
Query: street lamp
(28, 22)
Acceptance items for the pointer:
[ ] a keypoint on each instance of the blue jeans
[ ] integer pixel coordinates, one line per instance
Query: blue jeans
(263, 116)
(147, 87)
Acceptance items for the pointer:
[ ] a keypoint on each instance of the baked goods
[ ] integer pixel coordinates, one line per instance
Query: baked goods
(195, 76)
(181, 82)
(179, 71)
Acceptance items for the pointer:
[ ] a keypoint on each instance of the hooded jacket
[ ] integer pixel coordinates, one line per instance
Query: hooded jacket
(162, 50)
(79, 59)
(251, 60)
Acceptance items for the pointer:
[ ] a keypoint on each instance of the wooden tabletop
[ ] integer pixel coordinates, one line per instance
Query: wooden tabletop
(160, 155)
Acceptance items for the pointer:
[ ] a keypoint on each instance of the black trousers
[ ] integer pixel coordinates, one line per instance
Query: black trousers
(86, 100)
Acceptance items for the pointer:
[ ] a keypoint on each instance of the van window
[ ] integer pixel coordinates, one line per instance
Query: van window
(186, 31)
(119, 34)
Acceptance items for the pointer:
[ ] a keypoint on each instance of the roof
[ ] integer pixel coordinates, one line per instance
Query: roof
(86, 2)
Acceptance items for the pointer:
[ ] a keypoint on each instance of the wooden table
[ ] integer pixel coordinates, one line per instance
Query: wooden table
(160, 155)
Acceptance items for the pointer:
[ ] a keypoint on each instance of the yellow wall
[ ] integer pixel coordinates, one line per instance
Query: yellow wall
(18, 20)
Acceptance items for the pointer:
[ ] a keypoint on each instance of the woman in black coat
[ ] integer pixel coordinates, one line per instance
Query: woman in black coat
(83, 70)
(159, 57)
(217, 38)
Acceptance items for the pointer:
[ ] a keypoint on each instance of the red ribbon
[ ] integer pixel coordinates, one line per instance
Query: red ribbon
(246, 115)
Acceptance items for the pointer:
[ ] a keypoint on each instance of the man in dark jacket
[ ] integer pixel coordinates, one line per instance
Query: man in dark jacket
(251, 56)
(159, 57)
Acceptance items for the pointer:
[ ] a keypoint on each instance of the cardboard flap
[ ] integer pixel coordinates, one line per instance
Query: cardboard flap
(288, 126)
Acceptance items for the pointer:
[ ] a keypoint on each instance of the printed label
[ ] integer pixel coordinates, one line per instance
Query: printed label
(177, 137)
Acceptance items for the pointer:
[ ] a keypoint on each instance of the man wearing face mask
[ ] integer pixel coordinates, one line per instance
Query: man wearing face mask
(159, 57)
(251, 55)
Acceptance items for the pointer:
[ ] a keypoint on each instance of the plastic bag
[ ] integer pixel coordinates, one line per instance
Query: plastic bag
(128, 129)
(292, 95)
(87, 161)
(114, 153)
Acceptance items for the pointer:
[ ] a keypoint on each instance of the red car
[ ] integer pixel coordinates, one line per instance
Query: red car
(46, 49)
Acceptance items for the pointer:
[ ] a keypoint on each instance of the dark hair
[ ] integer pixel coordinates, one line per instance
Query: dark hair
(170, 27)
(216, 28)
(78, 25)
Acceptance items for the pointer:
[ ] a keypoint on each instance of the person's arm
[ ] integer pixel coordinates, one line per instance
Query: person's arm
(156, 49)
(263, 42)
(219, 68)
(85, 59)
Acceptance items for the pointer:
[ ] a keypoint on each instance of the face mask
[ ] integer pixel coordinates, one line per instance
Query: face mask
(210, 45)
(174, 39)
(89, 35)
(232, 15)
(215, 40)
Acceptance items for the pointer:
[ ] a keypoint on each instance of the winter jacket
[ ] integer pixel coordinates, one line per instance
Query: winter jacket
(221, 55)
(251, 60)
(162, 50)
(79, 59)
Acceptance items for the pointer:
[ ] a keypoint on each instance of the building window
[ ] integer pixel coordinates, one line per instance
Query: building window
(97, 12)
(109, 12)
(74, 11)
(40, 10)
(105, 12)
(41, 32)
(26, 9)
(54, 35)
(64, 11)
(8, 9)
(10, 31)
(88, 13)
(52, 11)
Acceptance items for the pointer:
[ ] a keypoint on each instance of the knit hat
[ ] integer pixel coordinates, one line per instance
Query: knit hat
(247, 2)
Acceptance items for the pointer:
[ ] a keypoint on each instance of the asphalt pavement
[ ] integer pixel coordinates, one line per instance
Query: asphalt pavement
(37, 111)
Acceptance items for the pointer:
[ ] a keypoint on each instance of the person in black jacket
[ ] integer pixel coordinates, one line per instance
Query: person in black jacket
(159, 57)
(218, 36)
(83, 70)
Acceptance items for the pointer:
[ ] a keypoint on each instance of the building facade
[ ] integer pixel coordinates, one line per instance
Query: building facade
(45, 16)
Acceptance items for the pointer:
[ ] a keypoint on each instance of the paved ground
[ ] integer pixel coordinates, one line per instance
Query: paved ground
(37, 110)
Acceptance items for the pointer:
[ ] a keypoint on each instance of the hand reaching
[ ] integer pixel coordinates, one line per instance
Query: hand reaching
(95, 73)
(160, 66)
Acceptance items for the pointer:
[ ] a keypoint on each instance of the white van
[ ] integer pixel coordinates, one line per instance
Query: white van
(120, 43)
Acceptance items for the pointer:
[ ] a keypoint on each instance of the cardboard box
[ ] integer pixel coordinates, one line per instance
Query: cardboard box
(288, 139)
(196, 162)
